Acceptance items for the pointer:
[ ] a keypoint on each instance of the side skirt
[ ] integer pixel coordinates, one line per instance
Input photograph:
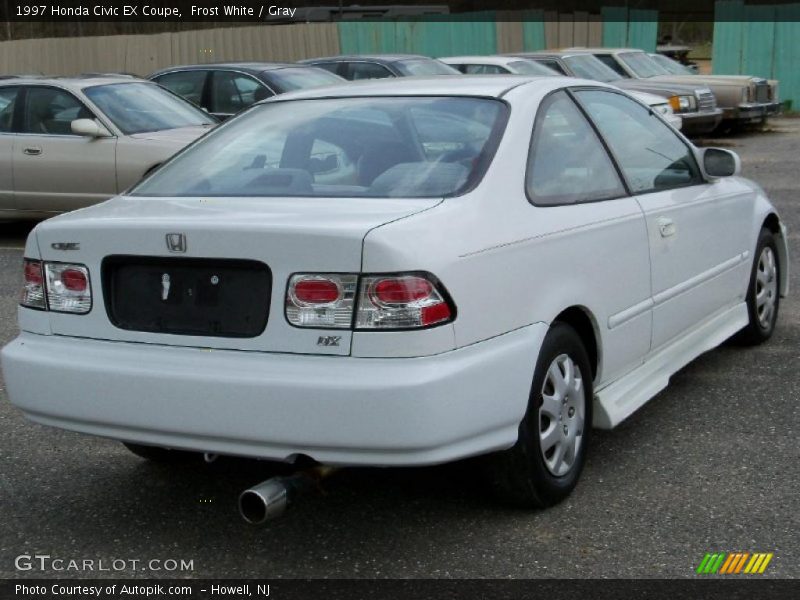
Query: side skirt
(620, 399)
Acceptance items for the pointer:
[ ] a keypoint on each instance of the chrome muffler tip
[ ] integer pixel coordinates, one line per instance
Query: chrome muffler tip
(265, 501)
(268, 500)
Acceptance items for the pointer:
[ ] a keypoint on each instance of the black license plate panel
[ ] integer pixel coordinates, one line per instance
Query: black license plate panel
(188, 296)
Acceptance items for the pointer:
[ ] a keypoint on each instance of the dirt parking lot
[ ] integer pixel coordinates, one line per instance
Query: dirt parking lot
(711, 464)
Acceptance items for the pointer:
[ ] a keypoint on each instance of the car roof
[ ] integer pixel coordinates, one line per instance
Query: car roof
(543, 54)
(380, 58)
(492, 86)
(602, 50)
(487, 60)
(77, 82)
(249, 67)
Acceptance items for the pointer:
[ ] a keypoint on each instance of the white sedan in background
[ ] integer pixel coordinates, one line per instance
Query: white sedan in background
(504, 65)
(400, 272)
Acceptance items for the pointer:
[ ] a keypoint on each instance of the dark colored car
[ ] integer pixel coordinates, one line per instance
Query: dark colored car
(223, 89)
(380, 66)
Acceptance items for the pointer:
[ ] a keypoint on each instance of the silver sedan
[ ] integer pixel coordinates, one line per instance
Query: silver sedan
(68, 143)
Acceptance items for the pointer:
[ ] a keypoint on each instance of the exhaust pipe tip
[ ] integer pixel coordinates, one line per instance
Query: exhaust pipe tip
(266, 501)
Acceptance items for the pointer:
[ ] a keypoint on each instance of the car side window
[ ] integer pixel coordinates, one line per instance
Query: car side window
(651, 155)
(483, 70)
(366, 70)
(553, 64)
(567, 162)
(232, 92)
(610, 61)
(51, 111)
(188, 84)
(8, 102)
(333, 67)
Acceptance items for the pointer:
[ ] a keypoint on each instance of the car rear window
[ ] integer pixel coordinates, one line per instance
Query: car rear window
(409, 147)
(424, 66)
(528, 67)
(589, 67)
(299, 78)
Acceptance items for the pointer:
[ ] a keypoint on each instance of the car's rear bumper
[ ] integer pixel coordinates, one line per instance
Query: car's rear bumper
(751, 112)
(338, 410)
(698, 123)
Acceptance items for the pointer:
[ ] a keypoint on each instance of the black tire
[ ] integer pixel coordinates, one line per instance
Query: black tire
(163, 455)
(519, 476)
(757, 332)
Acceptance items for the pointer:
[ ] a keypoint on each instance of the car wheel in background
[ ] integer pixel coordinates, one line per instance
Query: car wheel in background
(543, 467)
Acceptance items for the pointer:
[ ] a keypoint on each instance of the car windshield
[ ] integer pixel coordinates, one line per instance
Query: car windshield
(139, 107)
(300, 78)
(424, 66)
(528, 67)
(590, 67)
(642, 65)
(407, 147)
(673, 67)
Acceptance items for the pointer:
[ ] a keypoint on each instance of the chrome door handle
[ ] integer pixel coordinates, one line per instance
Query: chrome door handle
(666, 227)
(33, 151)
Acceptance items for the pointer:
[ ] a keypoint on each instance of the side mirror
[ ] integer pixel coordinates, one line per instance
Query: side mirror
(89, 127)
(720, 163)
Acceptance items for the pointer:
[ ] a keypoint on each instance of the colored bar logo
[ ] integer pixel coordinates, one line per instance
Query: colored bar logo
(734, 563)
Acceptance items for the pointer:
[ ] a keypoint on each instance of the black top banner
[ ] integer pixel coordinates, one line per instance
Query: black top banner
(304, 11)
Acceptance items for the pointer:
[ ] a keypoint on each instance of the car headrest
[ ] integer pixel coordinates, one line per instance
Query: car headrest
(420, 179)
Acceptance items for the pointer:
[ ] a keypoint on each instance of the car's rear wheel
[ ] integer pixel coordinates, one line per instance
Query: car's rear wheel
(162, 455)
(543, 467)
(763, 293)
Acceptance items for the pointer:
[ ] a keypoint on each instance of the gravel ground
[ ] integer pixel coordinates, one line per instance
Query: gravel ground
(711, 464)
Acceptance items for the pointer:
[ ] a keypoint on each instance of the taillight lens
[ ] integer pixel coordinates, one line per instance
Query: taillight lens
(401, 302)
(392, 301)
(33, 285)
(322, 300)
(68, 288)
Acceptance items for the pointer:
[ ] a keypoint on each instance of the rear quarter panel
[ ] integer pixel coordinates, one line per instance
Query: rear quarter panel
(508, 264)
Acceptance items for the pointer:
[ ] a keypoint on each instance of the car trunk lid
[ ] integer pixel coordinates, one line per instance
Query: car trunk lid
(211, 273)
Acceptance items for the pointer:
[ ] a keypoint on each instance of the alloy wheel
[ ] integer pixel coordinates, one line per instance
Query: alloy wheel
(766, 287)
(561, 415)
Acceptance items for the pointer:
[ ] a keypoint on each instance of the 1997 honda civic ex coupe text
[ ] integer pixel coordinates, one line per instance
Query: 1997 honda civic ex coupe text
(400, 273)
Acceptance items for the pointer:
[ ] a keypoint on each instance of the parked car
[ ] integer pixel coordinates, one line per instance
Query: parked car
(496, 65)
(505, 65)
(223, 89)
(379, 66)
(742, 98)
(399, 273)
(66, 143)
(696, 105)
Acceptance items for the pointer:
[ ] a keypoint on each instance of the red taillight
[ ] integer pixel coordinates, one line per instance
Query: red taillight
(322, 300)
(392, 301)
(33, 272)
(402, 302)
(438, 313)
(33, 285)
(74, 280)
(68, 288)
(316, 291)
(401, 290)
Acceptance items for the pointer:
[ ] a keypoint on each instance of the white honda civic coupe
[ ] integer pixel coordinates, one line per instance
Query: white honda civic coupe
(400, 273)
